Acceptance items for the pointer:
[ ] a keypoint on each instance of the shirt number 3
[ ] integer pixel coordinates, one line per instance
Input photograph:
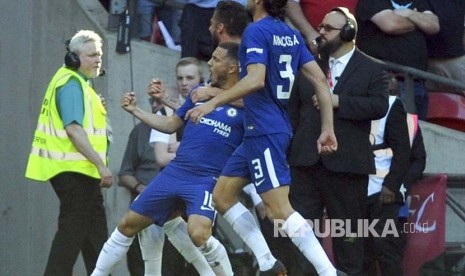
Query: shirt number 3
(285, 74)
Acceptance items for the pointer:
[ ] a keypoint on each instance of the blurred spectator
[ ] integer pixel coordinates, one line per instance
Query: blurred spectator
(391, 146)
(196, 39)
(148, 10)
(305, 15)
(138, 168)
(445, 49)
(394, 30)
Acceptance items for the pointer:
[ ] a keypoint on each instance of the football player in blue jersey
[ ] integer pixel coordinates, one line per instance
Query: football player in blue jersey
(191, 175)
(270, 55)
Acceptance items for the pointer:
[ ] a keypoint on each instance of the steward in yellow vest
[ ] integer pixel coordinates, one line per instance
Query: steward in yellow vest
(52, 150)
(69, 149)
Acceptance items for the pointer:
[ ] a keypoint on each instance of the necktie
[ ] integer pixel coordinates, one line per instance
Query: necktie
(331, 73)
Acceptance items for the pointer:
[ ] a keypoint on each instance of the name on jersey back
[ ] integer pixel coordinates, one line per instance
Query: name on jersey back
(285, 41)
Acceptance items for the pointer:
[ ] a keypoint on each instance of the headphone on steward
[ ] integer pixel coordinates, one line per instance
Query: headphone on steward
(72, 60)
(348, 31)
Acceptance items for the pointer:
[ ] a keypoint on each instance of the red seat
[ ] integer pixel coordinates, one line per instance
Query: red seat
(446, 109)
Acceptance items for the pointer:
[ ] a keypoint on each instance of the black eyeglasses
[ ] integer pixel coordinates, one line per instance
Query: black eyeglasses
(327, 28)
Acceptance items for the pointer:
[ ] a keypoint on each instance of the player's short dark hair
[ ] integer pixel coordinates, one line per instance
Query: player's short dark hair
(233, 16)
(233, 50)
(275, 8)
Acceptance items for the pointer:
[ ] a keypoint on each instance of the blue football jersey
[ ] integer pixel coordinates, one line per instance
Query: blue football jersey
(282, 50)
(205, 147)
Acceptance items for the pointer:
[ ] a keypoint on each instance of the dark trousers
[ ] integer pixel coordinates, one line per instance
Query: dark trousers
(385, 251)
(196, 39)
(344, 196)
(82, 225)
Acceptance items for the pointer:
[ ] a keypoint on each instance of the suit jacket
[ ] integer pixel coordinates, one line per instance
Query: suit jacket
(396, 137)
(363, 96)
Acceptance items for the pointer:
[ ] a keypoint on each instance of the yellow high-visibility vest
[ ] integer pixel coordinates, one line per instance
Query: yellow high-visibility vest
(52, 150)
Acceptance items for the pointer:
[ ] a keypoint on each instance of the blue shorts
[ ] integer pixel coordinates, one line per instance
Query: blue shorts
(262, 160)
(160, 197)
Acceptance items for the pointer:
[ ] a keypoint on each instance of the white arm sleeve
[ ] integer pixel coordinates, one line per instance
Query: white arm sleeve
(157, 136)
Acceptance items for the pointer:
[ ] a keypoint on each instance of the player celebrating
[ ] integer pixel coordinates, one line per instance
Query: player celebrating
(270, 54)
(190, 176)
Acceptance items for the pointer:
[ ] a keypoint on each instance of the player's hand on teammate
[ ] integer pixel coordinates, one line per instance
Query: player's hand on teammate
(195, 114)
(204, 93)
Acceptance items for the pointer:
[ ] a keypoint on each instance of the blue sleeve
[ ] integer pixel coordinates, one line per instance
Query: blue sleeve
(70, 102)
(255, 45)
(188, 104)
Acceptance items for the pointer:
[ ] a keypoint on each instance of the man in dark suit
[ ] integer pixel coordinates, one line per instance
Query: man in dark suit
(337, 182)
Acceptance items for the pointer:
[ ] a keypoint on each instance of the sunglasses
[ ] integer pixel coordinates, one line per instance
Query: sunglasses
(327, 28)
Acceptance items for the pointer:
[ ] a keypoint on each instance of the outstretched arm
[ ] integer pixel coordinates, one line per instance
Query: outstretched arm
(166, 124)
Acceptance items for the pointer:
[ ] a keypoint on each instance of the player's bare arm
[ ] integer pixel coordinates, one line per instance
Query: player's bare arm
(327, 142)
(166, 124)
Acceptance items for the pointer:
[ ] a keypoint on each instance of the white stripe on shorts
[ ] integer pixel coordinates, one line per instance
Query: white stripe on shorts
(270, 168)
